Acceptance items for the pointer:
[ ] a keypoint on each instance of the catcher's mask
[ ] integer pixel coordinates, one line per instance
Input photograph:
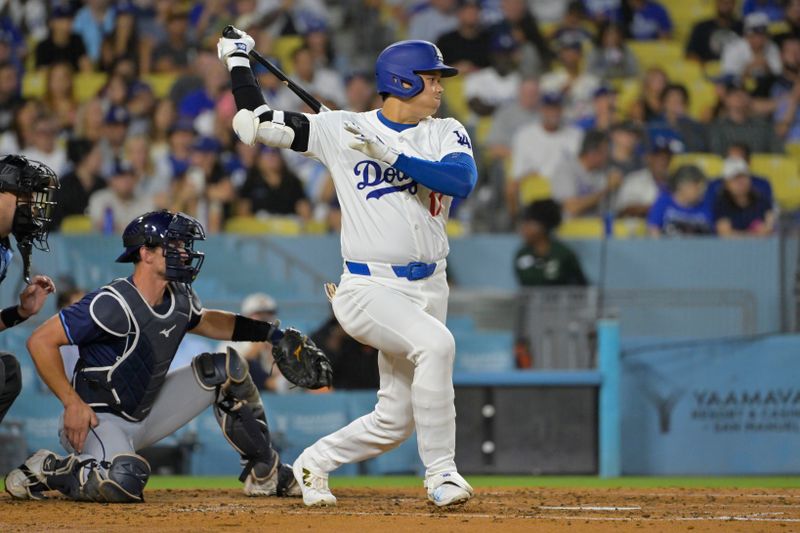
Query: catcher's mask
(35, 186)
(175, 233)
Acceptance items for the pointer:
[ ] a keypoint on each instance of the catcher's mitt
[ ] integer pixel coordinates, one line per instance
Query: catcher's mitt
(301, 362)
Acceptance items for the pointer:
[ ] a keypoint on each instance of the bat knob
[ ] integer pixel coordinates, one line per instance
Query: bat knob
(229, 32)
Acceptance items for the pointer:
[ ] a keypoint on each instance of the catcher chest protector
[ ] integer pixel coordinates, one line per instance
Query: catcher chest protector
(131, 385)
(399, 64)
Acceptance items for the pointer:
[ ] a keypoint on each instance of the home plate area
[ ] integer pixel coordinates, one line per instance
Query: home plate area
(397, 509)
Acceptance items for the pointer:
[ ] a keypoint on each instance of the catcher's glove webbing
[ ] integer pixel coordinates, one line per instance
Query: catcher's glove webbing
(301, 362)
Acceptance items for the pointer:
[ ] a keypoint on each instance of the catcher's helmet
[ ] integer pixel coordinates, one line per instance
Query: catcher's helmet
(401, 62)
(175, 233)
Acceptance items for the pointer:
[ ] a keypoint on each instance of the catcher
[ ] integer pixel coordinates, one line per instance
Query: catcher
(121, 399)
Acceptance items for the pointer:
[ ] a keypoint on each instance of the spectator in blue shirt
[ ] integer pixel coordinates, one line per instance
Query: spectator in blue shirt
(681, 210)
(759, 183)
(646, 20)
(740, 209)
(94, 21)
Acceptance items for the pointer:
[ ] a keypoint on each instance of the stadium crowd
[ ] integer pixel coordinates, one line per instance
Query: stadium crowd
(636, 117)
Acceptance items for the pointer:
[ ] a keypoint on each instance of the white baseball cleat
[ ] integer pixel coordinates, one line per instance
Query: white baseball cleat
(27, 482)
(313, 484)
(448, 488)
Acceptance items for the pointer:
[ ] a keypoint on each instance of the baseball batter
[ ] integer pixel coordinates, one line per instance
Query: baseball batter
(120, 398)
(396, 171)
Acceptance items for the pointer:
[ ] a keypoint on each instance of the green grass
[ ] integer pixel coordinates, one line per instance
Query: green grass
(177, 482)
(761, 482)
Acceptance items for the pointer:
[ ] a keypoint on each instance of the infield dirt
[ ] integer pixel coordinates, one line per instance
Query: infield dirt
(391, 510)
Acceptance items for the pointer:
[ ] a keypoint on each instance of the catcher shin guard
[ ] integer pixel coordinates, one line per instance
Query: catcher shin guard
(238, 409)
(120, 481)
(125, 479)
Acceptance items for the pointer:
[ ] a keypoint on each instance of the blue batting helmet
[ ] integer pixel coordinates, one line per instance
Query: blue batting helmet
(175, 233)
(400, 63)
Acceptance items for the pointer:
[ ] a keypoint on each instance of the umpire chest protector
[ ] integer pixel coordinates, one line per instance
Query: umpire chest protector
(130, 386)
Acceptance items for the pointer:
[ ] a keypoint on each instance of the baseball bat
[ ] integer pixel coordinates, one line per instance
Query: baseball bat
(230, 33)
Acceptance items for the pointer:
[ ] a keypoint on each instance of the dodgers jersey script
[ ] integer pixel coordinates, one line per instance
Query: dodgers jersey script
(386, 216)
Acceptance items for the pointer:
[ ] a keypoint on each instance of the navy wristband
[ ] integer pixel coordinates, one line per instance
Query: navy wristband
(11, 317)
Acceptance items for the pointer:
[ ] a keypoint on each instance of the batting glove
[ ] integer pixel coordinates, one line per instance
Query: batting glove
(233, 52)
(370, 144)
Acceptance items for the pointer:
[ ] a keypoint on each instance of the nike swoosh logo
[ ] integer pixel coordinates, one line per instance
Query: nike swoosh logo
(166, 331)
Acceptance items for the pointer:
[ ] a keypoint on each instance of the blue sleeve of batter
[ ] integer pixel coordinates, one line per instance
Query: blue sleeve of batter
(455, 175)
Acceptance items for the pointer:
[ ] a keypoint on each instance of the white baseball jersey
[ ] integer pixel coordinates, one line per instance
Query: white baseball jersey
(387, 217)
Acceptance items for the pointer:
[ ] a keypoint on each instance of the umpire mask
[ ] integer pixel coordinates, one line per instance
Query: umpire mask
(35, 185)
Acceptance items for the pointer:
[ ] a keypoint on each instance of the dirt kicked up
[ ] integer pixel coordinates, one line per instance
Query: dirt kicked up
(390, 510)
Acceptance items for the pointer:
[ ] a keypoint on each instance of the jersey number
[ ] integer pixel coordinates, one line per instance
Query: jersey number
(436, 203)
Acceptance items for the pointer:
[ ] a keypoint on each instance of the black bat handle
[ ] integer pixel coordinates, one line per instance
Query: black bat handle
(230, 33)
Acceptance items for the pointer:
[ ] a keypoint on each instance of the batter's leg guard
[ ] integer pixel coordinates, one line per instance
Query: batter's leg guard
(239, 410)
(10, 382)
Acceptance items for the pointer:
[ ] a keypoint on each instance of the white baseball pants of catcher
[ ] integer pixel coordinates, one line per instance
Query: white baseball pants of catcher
(405, 321)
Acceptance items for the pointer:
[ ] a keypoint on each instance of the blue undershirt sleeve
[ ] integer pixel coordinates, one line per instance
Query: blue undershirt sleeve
(455, 175)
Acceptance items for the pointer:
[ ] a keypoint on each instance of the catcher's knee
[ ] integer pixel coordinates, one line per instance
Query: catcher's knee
(125, 479)
(221, 369)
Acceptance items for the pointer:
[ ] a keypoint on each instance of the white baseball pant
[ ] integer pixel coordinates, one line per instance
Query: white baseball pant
(405, 321)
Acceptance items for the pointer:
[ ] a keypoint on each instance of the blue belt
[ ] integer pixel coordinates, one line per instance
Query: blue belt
(412, 271)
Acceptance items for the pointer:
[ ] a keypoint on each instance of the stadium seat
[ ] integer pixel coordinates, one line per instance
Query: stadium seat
(581, 228)
(160, 83)
(283, 49)
(684, 71)
(86, 85)
(76, 225)
(33, 84)
(627, 95)
(315, 227)
(630, 227)
(533, 188)
(712, 69)
(455, 229)
(482, 130)
(684, 15)
(793, 149)
(263, 226)
(710, 164)
(782, 173)
(593, 228)
(454, 97)
(656, 53)
(702, 98)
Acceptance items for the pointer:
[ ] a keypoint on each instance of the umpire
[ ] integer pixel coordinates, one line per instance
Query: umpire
(27, 200)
